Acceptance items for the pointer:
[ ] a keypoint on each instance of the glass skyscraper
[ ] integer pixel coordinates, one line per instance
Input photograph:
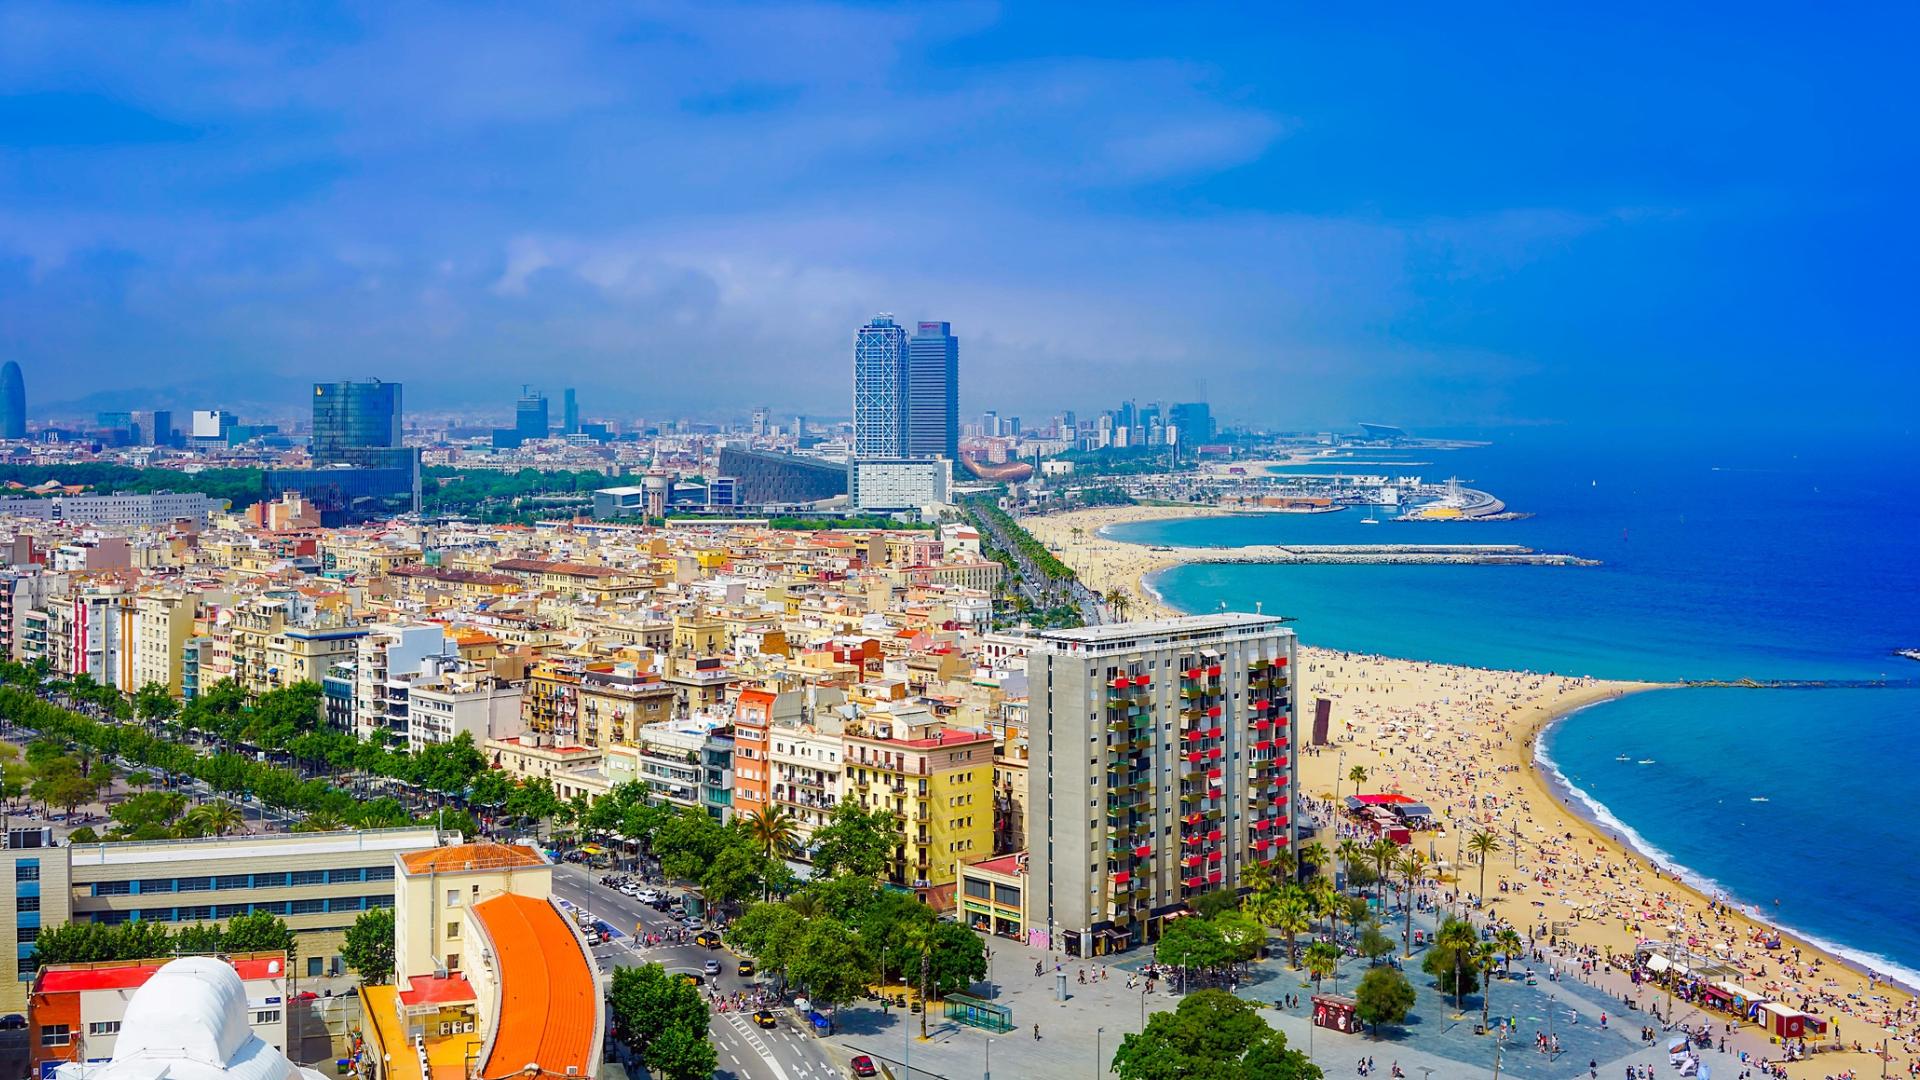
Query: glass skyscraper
(880, 389)
(531, 418)
(13, 402)
(933, 392)
(354, 416)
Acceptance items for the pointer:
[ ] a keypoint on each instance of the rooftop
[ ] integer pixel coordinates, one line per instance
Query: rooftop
(254, 847)
(549, 1012)
(471, 857)
(1219, 626)
(68, 979)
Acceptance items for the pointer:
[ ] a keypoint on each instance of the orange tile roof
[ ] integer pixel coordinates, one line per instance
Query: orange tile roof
(471, 857)
(549, 1006)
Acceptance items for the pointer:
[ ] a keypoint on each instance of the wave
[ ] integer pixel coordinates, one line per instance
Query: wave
(1596, 812)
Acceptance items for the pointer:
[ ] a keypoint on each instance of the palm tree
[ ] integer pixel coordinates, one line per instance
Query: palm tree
(1324, 900)
(1483, 844)
(1313, 856)
(1323, 959)
(1118, 601)
(1290, 917)
(1352, 853)
(1486, 957)
(1412, 867)
(1384, 851)
(1509, 943)
(1357, 774)
(1458, 936)
(773, 831)
(218, 818)
(321, 821)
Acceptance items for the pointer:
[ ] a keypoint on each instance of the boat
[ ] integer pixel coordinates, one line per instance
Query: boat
(1911, 654)
(1369, 519)
(1759, 798)
(1623, 757)
(1646, 761)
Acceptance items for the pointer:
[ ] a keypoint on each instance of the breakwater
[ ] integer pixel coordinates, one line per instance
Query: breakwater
(1384, 554)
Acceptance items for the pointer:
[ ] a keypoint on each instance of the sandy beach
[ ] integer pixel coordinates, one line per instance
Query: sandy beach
(1462, 741)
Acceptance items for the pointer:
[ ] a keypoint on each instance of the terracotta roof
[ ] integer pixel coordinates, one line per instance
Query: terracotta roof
(549, 1008)
(471, 857)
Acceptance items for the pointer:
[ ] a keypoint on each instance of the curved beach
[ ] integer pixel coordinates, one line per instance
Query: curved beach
(1465, 741)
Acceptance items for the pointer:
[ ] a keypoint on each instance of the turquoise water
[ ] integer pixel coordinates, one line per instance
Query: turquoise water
(1719, 561)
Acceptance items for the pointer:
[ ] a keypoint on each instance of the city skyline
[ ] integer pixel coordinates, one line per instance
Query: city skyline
(1254, 196)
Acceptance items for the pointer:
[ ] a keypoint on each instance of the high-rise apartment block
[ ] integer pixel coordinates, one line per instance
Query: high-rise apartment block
(933, 392)
(880, 389)
(1162, 768)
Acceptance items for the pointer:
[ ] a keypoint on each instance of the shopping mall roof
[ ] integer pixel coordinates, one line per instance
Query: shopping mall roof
(480, 856)
(549, 1008)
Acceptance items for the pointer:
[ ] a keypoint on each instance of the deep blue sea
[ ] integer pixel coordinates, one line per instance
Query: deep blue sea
(1754, 558)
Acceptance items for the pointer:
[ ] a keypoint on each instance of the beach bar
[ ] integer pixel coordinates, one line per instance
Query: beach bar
(1789, 1023)
(1336, 1012)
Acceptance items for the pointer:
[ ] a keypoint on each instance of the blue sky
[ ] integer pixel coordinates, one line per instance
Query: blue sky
(1438, 214)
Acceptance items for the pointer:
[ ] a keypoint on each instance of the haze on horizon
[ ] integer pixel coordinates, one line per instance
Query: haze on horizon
(1431, 216)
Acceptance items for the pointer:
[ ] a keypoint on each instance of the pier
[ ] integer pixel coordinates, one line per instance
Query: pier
(1387, 554)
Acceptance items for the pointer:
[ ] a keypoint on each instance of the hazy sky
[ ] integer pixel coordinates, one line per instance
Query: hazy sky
(1428, 213)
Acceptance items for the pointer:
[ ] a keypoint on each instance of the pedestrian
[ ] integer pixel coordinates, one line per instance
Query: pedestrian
(1036, 1033)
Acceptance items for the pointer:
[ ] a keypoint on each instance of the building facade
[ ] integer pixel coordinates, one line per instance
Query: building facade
(933, 392)
(1162, 767)
(880, 389)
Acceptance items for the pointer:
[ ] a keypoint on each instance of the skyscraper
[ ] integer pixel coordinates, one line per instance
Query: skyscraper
(1188, 725)
(933, 392)
(569, 412)
(880, 389)
(160, 427)
(13, 402)
(354, 416)
(531, 418)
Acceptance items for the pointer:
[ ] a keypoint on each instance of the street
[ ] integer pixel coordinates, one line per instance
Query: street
(745, 1052)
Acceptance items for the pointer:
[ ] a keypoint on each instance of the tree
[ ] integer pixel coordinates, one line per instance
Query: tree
(217, 818)
(773, 831)
(854, 841)
(1357, 774)
(150, 815)
(1451, 960)
(1412, 866)
(737, 873)
(647, 1003)
(1383, 997)
(490, 789)
(1384, 852)
(1313, 856)
(534, 800)
(1323, 959)
(770, 933)
(321, 821)
(1483, 844)
(1241, 935)
(259, 931)
(368, 948)
(1486, 960)
(1374, 945)
(1290, 918)
(688, 843)
(681, 1054)
(1508, 942)
(1210, 1034)
(154, 704)
(1209, 904)
(830, 963)
(1191, 942)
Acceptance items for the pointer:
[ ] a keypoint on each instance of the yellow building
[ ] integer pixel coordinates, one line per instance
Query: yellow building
(162, 623)
(304, 653)
(616, 704)
(938, 784)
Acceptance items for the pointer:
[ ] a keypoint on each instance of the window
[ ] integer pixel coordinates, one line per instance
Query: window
(379, 873)
(270, 881)
(453, 897)
(27, 903)
(156, 885)
(55, 1035)
(313, 967)
(379, 902)
(228, 911)
(309, 907)
(26, 934)
(104, 1027)
(232, 881)
(309, 877)
(266, 1016)
(453, 961)
(198, 913)
(156, 914)
(343, 903)
(112, 888)
(194, 884)
(453, 929)
(27, 870)
(335, 877)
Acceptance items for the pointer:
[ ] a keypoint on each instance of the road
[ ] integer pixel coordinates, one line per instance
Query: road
(745, 1052)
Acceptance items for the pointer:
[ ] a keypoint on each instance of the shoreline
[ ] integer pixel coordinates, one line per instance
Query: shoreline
(1605, 891)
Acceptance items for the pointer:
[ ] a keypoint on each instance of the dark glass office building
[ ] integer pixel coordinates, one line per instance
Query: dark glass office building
(933, 392)
(354, 416)
(13, 402)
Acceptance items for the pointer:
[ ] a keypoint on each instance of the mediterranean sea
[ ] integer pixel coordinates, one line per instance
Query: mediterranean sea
(1748, 559)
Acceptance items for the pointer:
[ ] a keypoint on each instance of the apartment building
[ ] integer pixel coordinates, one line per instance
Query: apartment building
(382, 656)
(477, 703)
(1162, 767)
(615, 704)
(162, 625)
(803, 764)
(23, 591)
(937, 782)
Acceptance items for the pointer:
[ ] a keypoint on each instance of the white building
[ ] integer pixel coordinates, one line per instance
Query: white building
(126, 511)
(885, 484)
(385, 657)
(440, 707)
(804, 774)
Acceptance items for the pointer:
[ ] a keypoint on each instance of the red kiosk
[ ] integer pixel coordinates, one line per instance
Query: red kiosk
(1336, 1012)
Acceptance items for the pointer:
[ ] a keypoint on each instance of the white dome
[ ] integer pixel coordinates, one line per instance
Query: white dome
(189, 1022)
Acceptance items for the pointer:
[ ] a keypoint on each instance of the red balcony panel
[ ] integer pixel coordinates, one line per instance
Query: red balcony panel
(1215, 877)
(1143, 851)
(1122, 877)
(1214, 671)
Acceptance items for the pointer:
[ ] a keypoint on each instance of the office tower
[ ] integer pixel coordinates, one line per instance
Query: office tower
(1192, 423)
(990, 424)
(569, 412)
(160, 427)
(13, 402)
(933, 392)
(530, 416)
(354, 416)
(1188, 725)
(757, 424)
(880, 389)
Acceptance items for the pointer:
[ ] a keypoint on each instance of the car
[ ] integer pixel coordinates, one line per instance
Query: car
(690, 978)
(305, 995)
(646, 896)
(13, 1022)
(764, 1018)
(712, 967)
(862, 1067)
(746, 968)
(707, 938)
(692, 923)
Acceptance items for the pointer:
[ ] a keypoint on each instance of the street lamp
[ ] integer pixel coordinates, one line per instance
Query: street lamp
(988, 1075)
(1097, 1070)
(906, 1026)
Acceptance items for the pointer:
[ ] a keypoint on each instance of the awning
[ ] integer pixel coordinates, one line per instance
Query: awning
(1656, 962)
(593, 849)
